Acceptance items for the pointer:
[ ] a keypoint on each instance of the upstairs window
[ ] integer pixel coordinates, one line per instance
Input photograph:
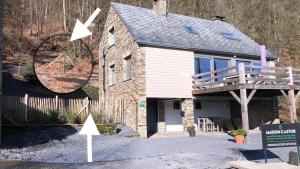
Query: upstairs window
(230, 36)
(111, 37)
(202, 65)
(221, 64)
(112, 75)
(190, 29)
(127, 68)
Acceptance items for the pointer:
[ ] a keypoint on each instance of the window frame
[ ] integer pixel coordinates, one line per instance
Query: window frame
(232, 61)
(112, 75)
(127, 72)
(111, 37)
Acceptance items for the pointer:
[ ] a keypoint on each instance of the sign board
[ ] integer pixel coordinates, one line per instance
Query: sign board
(141, 106)
(280, 135)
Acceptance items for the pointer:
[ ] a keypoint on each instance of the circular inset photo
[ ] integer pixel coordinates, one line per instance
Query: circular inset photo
(63, 66)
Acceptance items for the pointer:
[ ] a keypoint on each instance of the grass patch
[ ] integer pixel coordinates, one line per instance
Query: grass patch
(107, 129)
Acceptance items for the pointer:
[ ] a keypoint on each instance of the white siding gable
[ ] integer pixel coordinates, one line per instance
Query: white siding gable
(168, 72)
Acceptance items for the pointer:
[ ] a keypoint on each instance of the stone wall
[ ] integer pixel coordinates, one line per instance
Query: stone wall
(133, 91)
(187, 106)
(259, 110)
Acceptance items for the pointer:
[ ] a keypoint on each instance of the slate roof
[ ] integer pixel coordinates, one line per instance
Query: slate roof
(149, 29)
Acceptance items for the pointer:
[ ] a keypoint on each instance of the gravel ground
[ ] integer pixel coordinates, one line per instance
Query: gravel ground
(122, 152)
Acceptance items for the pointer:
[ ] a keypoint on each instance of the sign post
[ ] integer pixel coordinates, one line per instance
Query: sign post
(89, 128)
(280, 135)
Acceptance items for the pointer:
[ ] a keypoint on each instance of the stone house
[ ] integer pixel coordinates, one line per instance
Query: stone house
(148, 57)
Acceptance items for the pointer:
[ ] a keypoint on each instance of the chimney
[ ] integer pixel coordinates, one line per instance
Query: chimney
(219, 18)
(160, 8)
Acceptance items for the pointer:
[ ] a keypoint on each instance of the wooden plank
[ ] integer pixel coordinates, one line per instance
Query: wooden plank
(213, 72)
(215, 90)
(215, 77)
(235, 96)
(251, 95)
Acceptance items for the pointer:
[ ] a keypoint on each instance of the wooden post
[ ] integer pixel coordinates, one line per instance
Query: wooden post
(56, 104)
(292, 105)
(244, 109)
(87, 105)
(290, 71)
(26, 107)
(292, 98)
(243, 97)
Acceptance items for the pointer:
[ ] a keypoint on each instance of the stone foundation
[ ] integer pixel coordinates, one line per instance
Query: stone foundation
(187, 106)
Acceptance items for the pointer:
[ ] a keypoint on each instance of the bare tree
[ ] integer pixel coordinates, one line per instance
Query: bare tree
(64, 16)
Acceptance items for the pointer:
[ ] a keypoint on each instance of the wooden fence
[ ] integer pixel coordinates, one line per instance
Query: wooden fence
(22, 110)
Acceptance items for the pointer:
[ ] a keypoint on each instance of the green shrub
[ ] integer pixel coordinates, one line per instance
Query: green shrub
(52, 117)
(97, 118)
(191, 128)
(29, 75)
(69, 117)
(239, 132)
(74, 55)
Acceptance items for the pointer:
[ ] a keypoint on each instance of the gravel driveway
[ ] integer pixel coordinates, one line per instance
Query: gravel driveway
(122, 152)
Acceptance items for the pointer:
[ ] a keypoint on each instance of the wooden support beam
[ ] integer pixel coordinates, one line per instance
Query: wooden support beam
(297, 96)
(285, 96)
(292, 106)
(251, 95)
(244, 109)
(237, 98)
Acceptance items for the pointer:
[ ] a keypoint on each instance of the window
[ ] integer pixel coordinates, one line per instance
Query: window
(202, 65)
(176, 105)
(111, 37)
(221, 64)
(112, 75)
(190, 29)
(198, 104)
(246, 63)
(256, 69)
(230, 36)
(127, 68)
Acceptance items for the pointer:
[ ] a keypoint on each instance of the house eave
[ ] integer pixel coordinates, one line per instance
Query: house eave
(211, 52)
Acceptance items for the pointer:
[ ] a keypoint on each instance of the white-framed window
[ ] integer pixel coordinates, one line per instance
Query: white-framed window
(112, 74)
(127, 68)
(111, 37)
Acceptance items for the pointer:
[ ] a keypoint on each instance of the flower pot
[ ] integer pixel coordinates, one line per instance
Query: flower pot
(239, 139)
(192, 133)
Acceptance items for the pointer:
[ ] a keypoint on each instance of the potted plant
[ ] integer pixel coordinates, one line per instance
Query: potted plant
(239, 135)
(191, 131)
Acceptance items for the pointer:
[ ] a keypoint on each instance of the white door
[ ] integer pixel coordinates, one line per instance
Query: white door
(173, 117)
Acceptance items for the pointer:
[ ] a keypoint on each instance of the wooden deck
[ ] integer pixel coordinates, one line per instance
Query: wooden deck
(243, 82)
(232, 78)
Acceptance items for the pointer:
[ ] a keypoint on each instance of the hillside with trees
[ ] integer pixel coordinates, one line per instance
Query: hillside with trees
(274, 23)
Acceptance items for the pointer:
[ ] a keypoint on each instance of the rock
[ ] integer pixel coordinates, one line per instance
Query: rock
(119, 127)
(293, 158)
(127, 132)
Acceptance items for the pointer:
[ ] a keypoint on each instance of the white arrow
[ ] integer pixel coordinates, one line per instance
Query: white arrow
(89, 128)
(81, 30)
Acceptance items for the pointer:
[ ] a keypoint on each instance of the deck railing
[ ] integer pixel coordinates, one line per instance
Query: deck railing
(247, 74)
